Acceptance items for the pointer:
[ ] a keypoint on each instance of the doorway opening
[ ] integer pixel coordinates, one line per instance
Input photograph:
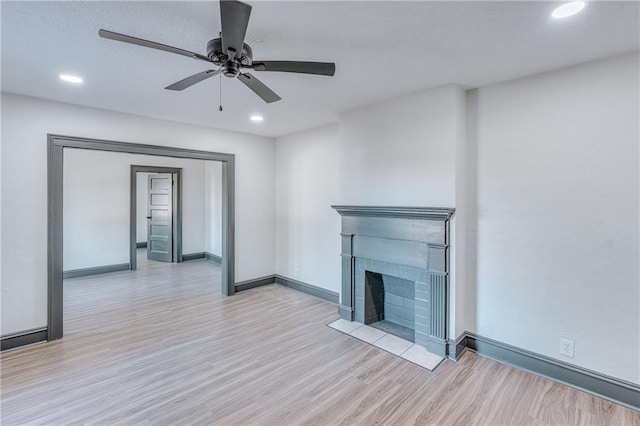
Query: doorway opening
(55, 172)
(155, 214)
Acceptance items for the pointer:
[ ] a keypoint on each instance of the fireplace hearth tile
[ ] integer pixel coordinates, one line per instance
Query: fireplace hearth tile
(367, 334)
(419, 355)
(393, 344)
(345, 326)
(389, 343)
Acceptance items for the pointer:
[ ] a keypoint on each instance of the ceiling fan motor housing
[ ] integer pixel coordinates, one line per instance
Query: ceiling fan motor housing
(215, 53)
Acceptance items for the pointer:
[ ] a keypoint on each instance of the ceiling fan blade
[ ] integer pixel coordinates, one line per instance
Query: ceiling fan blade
(259, 88)
(234, 16)
(152, 44)
(196, 78)
(318, 68)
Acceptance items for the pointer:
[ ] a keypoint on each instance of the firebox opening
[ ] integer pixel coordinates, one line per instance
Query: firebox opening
(389, 304)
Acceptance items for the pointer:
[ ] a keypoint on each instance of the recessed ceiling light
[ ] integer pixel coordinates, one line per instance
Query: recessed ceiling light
(568, 9)
(70, 78)
(257, 118)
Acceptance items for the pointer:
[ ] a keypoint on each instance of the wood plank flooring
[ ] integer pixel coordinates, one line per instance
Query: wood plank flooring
(161, 346)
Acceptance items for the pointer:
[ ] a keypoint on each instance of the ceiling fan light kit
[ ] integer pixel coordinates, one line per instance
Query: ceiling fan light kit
(231, 54)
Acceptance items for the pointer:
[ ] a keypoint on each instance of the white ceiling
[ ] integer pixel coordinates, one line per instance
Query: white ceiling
(381, 50)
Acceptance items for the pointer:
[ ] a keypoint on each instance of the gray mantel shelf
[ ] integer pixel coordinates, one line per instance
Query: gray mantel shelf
(438, 213)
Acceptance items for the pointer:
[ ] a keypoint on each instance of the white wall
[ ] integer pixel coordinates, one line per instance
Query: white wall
(307, 241)
(25, 124)
(142, 188)
(557, 243)
(96, 205)
(401, 152)
(213, 207)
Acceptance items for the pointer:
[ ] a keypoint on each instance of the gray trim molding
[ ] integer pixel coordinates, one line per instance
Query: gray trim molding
(460, 345)
(23, 338)
(255, 282)
(202, 255)
(312, 290)
(96, 270)
(142, 244)
(437, 213)
(320, 293)
(345, 312)
(212, 257)
(192, 256)
(55, 157)
(607, 387)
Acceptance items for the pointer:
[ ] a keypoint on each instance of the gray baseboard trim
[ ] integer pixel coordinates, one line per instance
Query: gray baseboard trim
(312, 290)
(436, 346)
(202, 255)
(75, 273)
(256, 282)
(212, 257)
(321, 293)
(457, 347)
(193, 256)
(345, 312)
(610, 388)
(141, 245)
(23, 338)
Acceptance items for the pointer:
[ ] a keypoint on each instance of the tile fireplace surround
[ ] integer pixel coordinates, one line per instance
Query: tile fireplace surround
(398, 244)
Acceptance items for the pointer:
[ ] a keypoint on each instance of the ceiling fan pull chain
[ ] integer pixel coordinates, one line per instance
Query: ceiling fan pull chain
(220, 109)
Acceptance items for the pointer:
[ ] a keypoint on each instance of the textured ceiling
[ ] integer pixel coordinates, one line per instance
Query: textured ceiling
(381, 50)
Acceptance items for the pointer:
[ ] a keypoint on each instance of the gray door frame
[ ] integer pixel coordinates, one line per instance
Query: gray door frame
(55, 157)
(177, 212)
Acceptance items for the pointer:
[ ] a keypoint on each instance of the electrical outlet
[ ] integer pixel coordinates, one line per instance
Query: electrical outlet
(566, 347)
(296, 273)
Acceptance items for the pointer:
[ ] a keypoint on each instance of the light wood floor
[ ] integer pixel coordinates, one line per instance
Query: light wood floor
(161, 346)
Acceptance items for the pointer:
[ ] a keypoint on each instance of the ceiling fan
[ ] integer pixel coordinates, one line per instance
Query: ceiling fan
(231, 54)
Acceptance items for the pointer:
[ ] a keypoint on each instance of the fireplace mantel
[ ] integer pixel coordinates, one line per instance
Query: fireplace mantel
(410, 243)
(437, 213)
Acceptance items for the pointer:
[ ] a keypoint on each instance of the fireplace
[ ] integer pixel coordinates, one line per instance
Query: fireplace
(395, 269)
(389, 304)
